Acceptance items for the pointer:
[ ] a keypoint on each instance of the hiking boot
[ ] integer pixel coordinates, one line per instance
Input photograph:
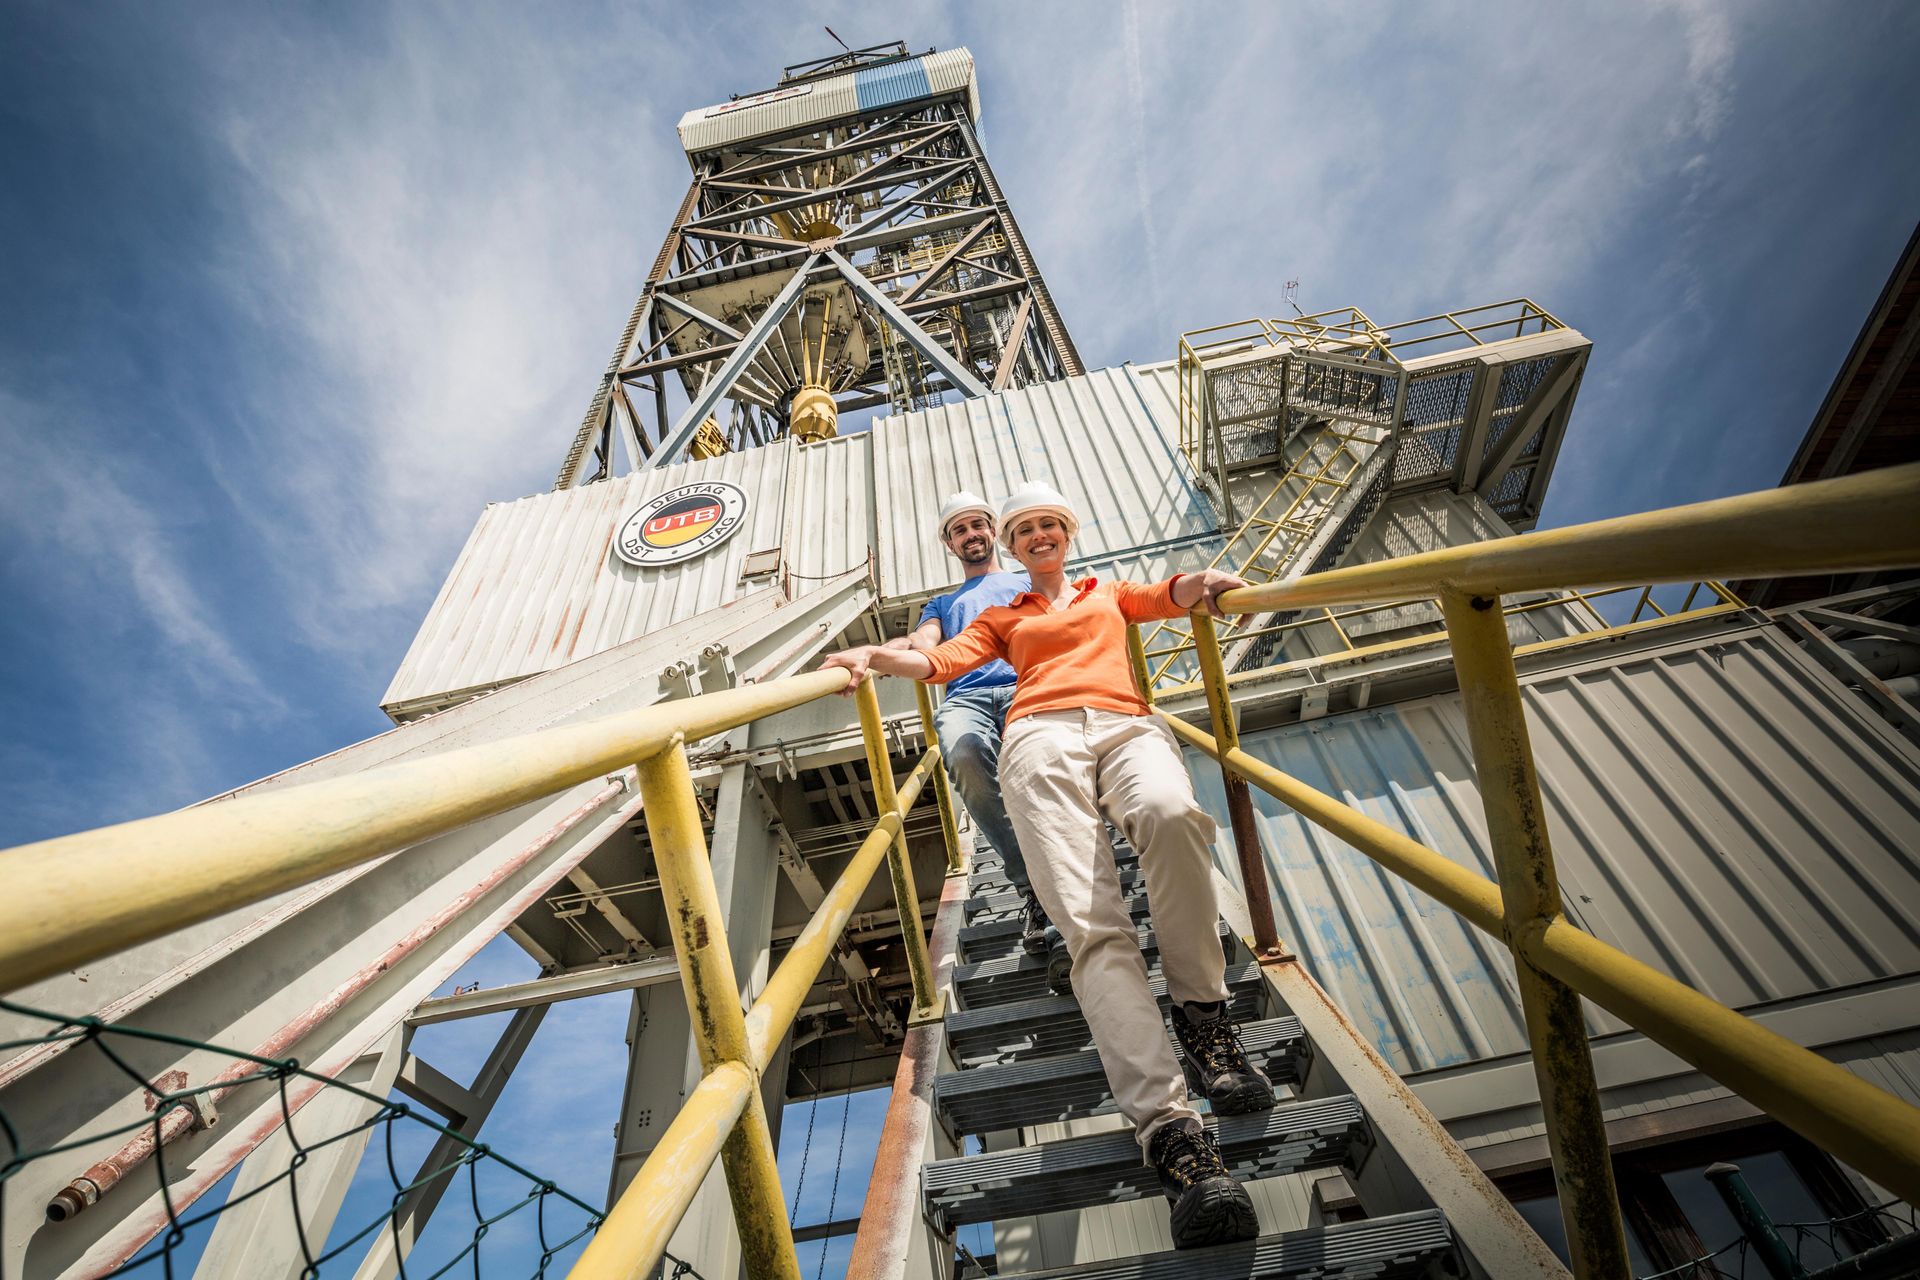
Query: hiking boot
(1215, 1064)
(1034, 925)
(1208, 1206)
(1059, 964)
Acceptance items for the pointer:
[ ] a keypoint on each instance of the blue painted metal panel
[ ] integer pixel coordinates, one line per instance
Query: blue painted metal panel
(895, 82)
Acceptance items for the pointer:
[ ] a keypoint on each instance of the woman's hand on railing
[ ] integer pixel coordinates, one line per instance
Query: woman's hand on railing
(856, 662)
(1202, 590)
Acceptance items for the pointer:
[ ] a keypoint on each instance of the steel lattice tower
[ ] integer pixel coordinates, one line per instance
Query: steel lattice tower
(843, 246)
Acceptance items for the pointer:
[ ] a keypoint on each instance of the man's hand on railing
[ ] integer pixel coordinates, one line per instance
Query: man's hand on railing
(883, 660)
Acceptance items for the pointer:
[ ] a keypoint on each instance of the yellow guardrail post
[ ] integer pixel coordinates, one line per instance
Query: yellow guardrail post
(1523, 855)
(713, 999)
(1246, 836)
(905, 896)
(942, 793)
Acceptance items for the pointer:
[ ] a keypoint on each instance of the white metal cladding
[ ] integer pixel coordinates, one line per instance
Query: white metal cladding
(830, 520)
(797, 107)
(1095, 438)
(1719, 810)
(538, 586)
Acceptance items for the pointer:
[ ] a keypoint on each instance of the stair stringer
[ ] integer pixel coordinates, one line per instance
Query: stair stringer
(1415, 1163)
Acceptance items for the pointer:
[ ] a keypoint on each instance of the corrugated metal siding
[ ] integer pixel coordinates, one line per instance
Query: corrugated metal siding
(537, 585)
(1093, 437)
(895, 82)
(1719, 810)
(830, 522)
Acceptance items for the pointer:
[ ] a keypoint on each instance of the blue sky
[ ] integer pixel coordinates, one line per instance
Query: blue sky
(288, 292)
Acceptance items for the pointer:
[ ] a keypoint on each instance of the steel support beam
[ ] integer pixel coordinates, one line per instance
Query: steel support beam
(260, 1238)
(956, 374)
(675, 442)
(1533, 415)
(540, 992)
(391, 1247)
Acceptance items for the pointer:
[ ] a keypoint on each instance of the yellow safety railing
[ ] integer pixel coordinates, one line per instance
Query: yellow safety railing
(1860, 523)
(78, 898)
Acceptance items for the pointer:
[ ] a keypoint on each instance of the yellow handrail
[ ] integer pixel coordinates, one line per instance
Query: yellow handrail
(1852, 524)
(1867, 1127)
(77, 898)
(1858, 523)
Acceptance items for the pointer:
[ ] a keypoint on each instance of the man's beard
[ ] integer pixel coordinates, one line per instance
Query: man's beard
(976, 553)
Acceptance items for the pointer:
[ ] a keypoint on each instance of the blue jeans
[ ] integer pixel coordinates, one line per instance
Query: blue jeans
(970, 724)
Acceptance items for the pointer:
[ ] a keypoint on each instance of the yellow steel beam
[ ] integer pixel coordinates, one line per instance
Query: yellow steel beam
(1556, 1023)
(77, 898)
(634, 1236)
(1863, 1125)
(942, 794)
(786, 990)
(699, 929)
(1853, 524)
(905, 896)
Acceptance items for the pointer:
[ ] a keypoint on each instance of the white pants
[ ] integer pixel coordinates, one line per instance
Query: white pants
(1060, 771)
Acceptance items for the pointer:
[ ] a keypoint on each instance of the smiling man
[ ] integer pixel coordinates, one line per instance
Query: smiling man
(973, 715)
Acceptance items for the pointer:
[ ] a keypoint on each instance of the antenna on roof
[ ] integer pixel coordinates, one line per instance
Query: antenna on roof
(1292, 297)
(837, 40)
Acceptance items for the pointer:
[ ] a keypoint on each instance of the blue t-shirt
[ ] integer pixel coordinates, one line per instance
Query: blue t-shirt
(961, 606)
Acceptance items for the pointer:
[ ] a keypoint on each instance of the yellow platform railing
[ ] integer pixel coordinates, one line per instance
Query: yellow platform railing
(1860, 523)
(78, 898)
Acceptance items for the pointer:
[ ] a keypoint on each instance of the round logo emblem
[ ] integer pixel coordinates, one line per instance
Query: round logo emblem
(681, 524)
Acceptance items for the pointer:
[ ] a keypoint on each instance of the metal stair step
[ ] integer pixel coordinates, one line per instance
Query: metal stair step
(1396, 1248)
(1005, 902)
(1049, 1090)
(995, 939)
(1051, 1025)
(1106, 1168)
(1019, 976)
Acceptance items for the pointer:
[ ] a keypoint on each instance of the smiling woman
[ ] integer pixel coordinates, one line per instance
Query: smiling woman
(1081, 749)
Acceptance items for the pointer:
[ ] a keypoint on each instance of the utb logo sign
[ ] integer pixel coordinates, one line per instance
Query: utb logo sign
(681, 524)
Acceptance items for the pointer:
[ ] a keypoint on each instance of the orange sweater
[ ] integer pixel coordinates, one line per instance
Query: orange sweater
(1065, 658)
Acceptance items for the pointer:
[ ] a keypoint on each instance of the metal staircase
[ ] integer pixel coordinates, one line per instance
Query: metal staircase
(1020, 1057)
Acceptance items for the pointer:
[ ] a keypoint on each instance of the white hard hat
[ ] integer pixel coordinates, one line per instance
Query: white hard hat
(960, 504)
(1029, 498)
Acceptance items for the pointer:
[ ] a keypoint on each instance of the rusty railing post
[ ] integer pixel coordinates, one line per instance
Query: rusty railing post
(1556, 1026)
(1246, 836)
(942, 793)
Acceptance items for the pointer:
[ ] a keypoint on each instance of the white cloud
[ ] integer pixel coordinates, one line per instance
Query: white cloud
(71, 505)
